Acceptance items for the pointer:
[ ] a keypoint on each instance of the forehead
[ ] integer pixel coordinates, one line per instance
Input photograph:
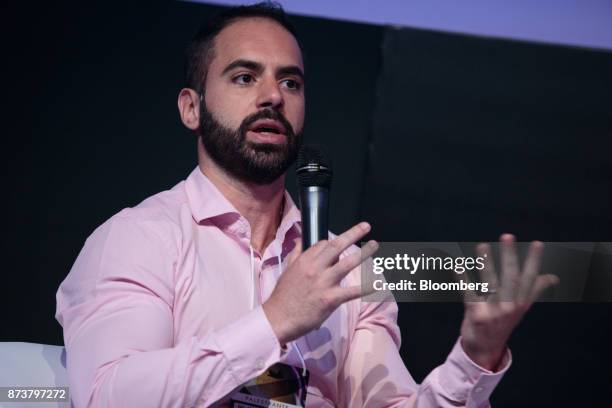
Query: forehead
(256, 38)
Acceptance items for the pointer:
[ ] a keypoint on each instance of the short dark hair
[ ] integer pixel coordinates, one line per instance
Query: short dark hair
(200, 50)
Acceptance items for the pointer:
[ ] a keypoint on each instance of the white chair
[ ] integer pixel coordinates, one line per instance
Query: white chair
(32, 365)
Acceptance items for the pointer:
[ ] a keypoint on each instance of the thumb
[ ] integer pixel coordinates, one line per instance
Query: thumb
(295, 252)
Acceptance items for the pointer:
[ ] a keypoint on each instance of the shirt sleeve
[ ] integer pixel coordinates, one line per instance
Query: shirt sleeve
(116, 306)
(374, 374)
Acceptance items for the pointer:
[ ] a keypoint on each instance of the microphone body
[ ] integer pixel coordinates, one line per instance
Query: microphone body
(314, 181)
(314, 203)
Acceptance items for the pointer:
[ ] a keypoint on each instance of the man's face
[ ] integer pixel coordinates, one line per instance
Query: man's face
(252, 114)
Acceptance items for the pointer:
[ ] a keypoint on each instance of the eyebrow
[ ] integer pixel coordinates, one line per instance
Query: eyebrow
(259, 68)
(291, 70)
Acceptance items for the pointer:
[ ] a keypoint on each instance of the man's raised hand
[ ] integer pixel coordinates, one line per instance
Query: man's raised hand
(487, 325)
(309, 289)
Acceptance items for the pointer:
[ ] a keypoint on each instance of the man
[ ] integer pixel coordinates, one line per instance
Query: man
(197, 290)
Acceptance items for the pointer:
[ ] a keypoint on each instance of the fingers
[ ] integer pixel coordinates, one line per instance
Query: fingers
(530, 271)
(487, 274)
(350, 262)
(510, 268)
(526, 286)
(349, 293)
(468, 295)
(542, 283)
(332, 250)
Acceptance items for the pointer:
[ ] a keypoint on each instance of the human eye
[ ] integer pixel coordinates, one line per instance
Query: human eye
(243, 79)
(292, 84)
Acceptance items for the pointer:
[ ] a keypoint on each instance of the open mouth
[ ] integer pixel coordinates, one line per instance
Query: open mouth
(266, 129)
(269, 126)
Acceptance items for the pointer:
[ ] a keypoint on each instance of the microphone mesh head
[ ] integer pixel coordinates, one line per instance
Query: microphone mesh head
(313, 168)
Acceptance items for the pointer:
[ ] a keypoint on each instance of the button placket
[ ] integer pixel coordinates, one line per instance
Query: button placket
(258, 265)
(267, 279)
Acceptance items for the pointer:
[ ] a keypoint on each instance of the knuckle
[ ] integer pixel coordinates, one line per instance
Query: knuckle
(300, 263)
(506, 308)
(337, 244)
(344, 263)
(305, 268)
(328, 301)
(310, 272)
(512, 263)
(321, 243)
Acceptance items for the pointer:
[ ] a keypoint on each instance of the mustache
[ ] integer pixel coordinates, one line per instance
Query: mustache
(267, 114)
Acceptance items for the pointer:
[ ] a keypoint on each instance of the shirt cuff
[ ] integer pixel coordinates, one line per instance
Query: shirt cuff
(467, 381)
(249, 345)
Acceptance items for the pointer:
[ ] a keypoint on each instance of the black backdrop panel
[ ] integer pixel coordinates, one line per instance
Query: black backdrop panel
(473, 137)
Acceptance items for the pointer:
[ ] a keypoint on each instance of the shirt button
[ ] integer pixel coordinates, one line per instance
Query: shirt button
(478, 389)
(259, 364)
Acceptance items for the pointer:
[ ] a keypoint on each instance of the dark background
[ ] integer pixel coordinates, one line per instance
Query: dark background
(434, 137)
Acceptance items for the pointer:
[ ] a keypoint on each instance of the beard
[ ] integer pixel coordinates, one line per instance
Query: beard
(258, 163)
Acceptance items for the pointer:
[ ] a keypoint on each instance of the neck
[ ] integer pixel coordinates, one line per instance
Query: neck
(260, 204)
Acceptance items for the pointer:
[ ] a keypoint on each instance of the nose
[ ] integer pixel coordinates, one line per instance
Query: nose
(269, 95)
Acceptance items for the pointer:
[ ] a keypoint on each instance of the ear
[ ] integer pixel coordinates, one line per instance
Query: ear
(189, 108)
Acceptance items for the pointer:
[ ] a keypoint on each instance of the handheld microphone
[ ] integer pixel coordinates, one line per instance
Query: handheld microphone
(314, 181)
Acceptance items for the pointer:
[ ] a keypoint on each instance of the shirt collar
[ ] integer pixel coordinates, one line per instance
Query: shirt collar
(207, 202)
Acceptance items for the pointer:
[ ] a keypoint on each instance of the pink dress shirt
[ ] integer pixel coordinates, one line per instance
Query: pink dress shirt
(157, 311)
